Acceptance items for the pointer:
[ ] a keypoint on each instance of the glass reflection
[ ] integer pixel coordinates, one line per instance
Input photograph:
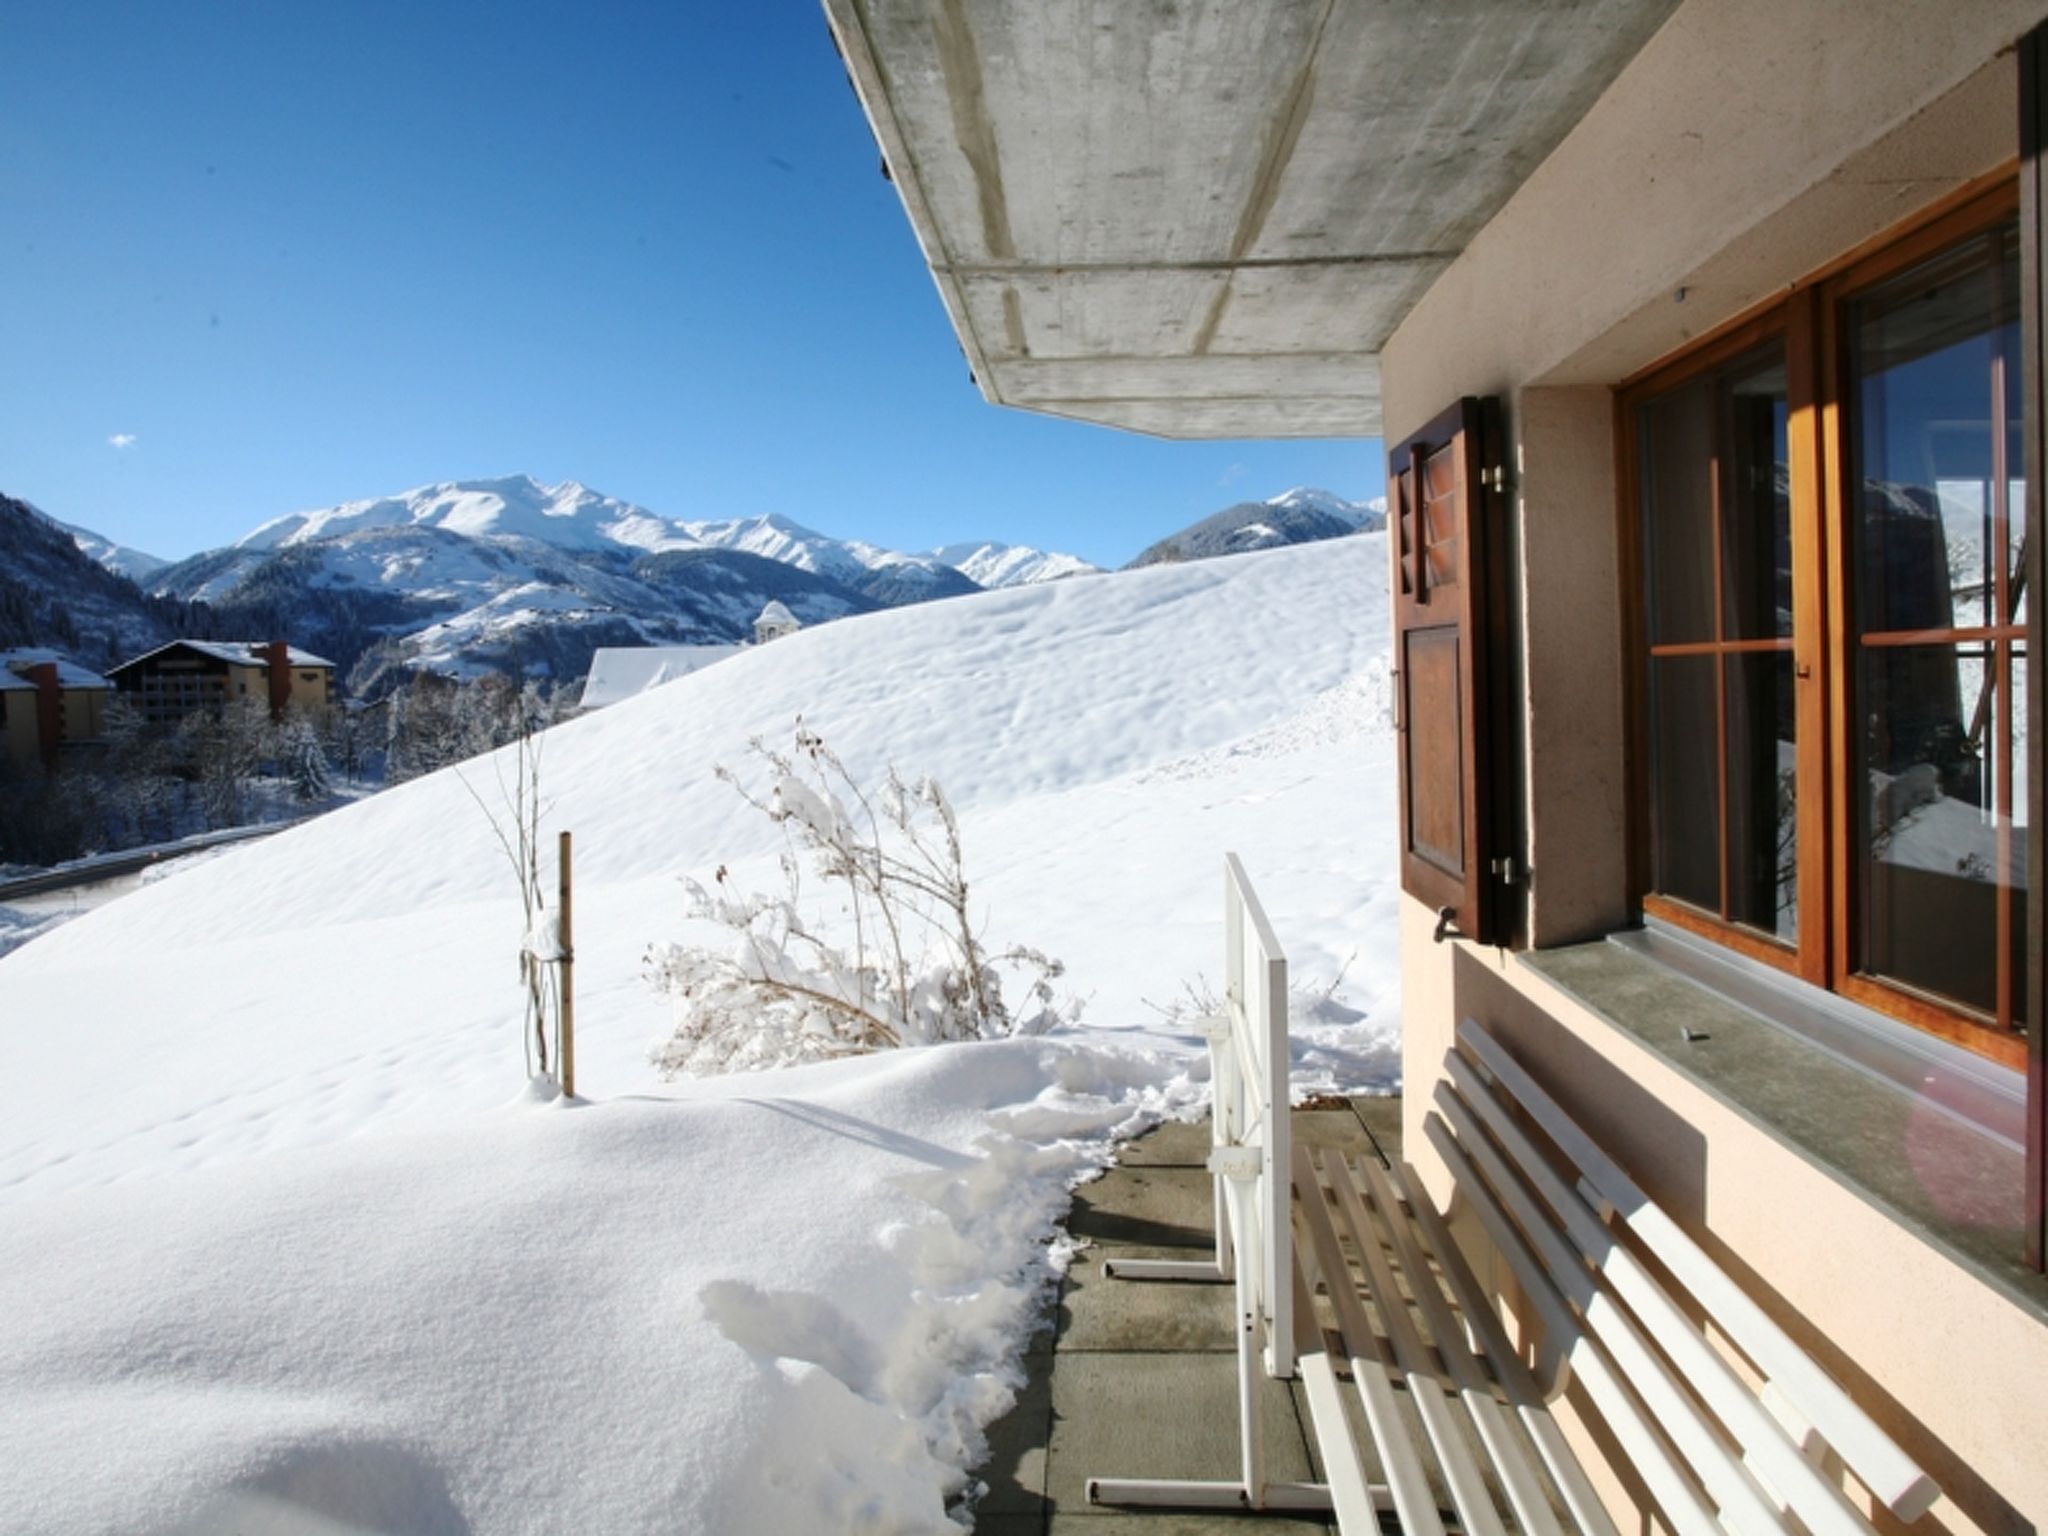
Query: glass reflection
(1931, 833)
(1685, 792)
(1762, 768)
(1938, 568)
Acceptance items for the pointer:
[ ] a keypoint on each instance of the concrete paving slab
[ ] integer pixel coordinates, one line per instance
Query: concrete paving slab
(1178, 1143)
(1338, 1129)
(1015, 1469)
(1382, 1117)
(1157, 1415)
(1160, 1206)
(1097, 1312)
(1139, 1379)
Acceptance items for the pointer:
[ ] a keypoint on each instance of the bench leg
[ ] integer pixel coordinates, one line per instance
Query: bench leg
(1206, 1271)
(1181, 1493)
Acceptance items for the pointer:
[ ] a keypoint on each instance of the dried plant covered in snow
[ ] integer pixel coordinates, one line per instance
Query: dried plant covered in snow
(887, 955)
(517, 830)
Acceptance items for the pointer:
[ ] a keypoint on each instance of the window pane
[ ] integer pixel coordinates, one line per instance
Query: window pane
(1724, 433)
(1763, 843)
(1936, 440)
(1677, 438)
(1930, 835)
(1756, 501)
(1685, 809)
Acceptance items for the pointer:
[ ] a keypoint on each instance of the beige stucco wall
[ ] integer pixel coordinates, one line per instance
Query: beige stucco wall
(253, 682)
(1749, 145)
(1750, 142)
(1956, 1371)
(312, 689)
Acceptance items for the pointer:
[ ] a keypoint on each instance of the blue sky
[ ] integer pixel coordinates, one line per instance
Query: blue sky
(258, 258)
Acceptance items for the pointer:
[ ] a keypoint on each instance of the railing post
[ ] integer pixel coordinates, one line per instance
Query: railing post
(566, 946)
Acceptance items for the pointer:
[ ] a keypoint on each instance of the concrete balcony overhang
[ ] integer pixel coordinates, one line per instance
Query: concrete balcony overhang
(1203, 219)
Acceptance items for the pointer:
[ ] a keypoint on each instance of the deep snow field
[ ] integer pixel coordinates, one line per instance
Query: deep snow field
(289, 1246)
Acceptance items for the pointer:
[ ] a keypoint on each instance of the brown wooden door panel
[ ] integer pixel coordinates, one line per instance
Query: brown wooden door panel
(1445, 516)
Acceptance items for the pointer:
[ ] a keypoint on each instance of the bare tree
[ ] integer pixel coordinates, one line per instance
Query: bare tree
(515, 821)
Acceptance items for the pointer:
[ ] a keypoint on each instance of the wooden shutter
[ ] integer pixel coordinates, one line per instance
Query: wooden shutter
(1445, 515)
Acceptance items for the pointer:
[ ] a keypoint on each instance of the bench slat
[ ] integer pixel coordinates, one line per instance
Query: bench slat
(1515, 1377)
(1417, 1364)
(1634, 1430)
(1351, 1495)
(1788, 1478)
(1524, 1489)
(1743, 1505)
(1876, 1459)
(1406, 1480)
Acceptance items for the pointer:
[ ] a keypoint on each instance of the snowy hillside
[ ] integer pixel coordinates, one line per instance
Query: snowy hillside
(267, 1105)
(55, 593)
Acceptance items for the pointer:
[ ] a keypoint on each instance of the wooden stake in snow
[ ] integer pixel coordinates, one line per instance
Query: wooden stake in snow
(566, 947)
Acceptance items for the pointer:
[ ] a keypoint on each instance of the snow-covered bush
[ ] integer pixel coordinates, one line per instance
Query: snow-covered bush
(888, 955)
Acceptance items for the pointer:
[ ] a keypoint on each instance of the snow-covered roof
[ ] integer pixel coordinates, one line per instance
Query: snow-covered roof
(777, 614)
(620, 671)
(69, 674)
(240, 653)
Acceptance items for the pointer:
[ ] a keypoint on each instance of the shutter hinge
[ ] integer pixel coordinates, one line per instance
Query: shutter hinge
(1494, 479)
(1506, 870)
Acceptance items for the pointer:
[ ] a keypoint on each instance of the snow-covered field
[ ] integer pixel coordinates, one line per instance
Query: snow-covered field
(283, 1234)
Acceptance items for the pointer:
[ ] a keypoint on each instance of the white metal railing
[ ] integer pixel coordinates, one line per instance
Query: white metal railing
(1251, 1159)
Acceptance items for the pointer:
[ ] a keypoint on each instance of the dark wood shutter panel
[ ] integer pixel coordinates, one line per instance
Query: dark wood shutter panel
(1445, 517)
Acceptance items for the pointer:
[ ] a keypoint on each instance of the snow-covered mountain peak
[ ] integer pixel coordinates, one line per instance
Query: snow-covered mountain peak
(568, 516)
(1307, 498)
(1010, 565)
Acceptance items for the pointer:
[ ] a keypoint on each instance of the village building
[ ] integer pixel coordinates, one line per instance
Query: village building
(1706, 339)
(187, 676)
(620, 671)
(49, 706)
(774, 622)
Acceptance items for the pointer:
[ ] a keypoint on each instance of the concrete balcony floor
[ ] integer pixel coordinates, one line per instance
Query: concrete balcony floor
(1139, 1379)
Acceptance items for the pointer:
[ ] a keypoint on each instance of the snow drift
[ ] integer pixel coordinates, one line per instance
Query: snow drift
(279, 1241)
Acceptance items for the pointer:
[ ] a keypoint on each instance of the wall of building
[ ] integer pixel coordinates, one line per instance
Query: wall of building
(22, 740)
(1749, 145)
(84, 714)
(312, 688)
(1951, 1366)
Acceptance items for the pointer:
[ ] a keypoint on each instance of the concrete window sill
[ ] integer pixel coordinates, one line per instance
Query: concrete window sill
(1805, 1071)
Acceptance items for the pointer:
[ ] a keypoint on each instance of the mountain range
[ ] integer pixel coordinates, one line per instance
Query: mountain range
(515, 576)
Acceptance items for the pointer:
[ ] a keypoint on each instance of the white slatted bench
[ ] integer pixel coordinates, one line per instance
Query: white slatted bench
(1718, 1448)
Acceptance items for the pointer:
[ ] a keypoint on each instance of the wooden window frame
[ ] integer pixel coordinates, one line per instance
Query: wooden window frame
(1808, 320)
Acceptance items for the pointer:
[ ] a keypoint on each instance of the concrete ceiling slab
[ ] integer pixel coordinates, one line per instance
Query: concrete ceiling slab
(1194, 208)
